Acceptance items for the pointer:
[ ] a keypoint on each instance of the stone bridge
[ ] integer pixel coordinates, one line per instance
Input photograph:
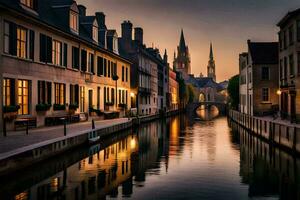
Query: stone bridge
(192, 107)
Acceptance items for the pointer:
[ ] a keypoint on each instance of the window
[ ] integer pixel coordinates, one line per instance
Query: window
(122, 73)
(83, 60)
(113, 95)
(21, 42)
(82, 98)
(291, 35)
(60, 93)
(285, 67)
(75, 57)
(74, 21)
(91, 63)
(23, 97)
(56, 52)
(45, 48)
(8, 92)
(6, 37)
(291, 62)
(29, 3)
(126, 74)
(265, 73)
(108, 68)
(74, 94)
(99, 66)
(98, 97)
(298, 30)
(265, 94)
(44, 92)
(95, 33)
(115, 69)
(284, 39)
(280, 69)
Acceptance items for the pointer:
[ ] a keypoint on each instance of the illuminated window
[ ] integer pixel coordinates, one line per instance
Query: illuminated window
(56, 52)
(21, 42)
(23, 97)
(59, 93)
(7, 92)
(74, 21)
(28, 3)
(82, 98)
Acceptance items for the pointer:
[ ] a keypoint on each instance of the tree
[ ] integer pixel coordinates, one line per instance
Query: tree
(234, 92)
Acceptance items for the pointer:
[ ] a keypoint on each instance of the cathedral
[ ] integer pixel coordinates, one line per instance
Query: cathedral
(206, 88)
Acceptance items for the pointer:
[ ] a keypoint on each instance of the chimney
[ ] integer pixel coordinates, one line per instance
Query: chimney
(127, 30)
(100, 16)
(138, 35)
(82, 10)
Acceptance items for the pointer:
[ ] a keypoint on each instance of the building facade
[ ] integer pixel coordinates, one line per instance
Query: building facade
(54, 59)
(143, 72)
(173, 91)
(259, 79)
(289, 62)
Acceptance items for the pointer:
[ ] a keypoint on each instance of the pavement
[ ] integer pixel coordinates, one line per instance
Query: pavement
(278, 120)
(18, 139)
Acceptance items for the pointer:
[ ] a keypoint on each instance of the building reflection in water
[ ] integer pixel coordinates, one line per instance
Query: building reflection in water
(269, 171)
(207, 113)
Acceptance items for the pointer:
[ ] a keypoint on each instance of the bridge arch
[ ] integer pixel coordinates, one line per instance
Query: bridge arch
(202, 97)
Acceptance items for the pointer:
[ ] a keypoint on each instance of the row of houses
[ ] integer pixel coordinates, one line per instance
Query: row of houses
(58, 62)
(270, 73)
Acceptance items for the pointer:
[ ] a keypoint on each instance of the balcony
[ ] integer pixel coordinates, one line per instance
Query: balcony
(144, 90)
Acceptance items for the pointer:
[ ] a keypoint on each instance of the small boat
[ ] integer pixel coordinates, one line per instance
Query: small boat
(93, 137)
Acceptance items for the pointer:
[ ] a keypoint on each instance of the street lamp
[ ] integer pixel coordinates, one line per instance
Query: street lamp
(278, 92)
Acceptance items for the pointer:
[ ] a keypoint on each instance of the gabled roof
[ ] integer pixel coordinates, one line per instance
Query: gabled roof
(288, 16)
(263, 52)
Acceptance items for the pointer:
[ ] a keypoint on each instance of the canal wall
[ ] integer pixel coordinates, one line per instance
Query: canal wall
(29, 155)
(278, 133)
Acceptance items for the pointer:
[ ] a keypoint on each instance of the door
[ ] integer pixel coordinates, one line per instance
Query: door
(90, 99)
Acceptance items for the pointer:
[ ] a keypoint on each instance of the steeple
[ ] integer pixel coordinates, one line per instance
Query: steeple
(165, 56)
(211, 55)
(182, 45)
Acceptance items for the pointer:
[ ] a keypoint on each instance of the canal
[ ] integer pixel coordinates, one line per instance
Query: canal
(177, 158)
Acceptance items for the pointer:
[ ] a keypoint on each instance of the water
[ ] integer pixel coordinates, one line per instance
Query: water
(172, 159)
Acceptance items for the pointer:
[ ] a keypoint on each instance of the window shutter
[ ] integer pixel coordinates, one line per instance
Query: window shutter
(77, 94)
(43, 46)
(43, 92)
(12, 92)
(49, 88)
(49, 49)
(65, 54)
(12, 39)
(31, 44)
(83, 60)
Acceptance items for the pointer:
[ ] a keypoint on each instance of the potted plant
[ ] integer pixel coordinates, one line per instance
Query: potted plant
(58, 107)
(10, 112)
(42, 107)
(73, 107)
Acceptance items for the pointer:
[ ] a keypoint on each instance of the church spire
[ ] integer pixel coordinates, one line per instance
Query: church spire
(182, 45)
(211, 55)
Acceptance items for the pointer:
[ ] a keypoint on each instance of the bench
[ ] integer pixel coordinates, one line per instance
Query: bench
(56, 119)
(22, 122)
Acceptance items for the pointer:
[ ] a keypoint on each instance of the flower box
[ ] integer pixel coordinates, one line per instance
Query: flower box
(42, 107)
(58, 107)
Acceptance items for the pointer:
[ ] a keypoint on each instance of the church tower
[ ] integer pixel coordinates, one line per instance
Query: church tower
(182, 62)
(211, 67)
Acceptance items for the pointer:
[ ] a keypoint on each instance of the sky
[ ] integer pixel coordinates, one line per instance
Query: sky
(228, 24)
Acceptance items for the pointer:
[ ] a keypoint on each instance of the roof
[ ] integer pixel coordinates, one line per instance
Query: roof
(204, 82)
(182, 45)
(288, 16)
(263, 52)
(55, 14)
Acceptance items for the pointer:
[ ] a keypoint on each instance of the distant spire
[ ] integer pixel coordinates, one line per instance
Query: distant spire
(211, 55)
(182, 46)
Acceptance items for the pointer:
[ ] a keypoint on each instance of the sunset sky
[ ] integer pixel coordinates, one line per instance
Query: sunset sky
(226, 23)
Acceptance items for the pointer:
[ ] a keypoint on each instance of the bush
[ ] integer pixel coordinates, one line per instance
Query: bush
(59, 107)
(42, 107)
(73, 106)
(8, 109)
(98, 112)
(122, 105)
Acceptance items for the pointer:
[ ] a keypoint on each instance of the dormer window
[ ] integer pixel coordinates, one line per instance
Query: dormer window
(74, 21)
(95, 33)
(29, 3)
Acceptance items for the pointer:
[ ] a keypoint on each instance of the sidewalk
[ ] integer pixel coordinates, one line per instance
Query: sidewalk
(280, 121)
(19, 139)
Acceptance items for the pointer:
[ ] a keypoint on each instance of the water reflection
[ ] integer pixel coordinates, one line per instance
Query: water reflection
(168, 159)
(207, 113)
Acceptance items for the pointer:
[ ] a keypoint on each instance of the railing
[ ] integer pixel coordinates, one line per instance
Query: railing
(280, 133)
